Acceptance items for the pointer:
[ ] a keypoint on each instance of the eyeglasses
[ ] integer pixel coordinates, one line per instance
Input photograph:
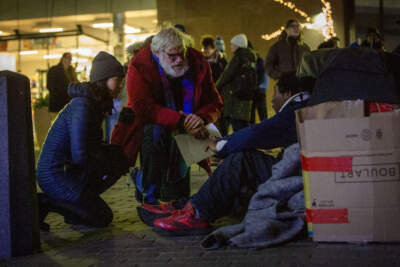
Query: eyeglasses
(174, 56)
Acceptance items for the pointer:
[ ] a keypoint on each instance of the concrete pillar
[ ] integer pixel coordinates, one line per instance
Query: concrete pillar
(118, 28)
(19, 229)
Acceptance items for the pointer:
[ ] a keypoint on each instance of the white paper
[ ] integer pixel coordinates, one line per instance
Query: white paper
(194, 150)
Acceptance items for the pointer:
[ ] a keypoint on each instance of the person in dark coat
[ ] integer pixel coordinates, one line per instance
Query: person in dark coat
(74, 166)
(259, 99)
(237, 111)
(374, 40)
(58, 79)
(170, 91)
(285, 55)
(236, 179)
(214, 57)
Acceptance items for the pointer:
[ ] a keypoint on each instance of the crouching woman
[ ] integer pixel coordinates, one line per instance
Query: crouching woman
(75, 166)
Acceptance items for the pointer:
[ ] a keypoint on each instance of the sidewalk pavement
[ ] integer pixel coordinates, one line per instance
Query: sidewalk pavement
(128, 242)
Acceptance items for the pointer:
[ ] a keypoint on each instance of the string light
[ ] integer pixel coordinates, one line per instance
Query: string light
(293, 7)
(328, 30)
(323, 22)
(273, 35)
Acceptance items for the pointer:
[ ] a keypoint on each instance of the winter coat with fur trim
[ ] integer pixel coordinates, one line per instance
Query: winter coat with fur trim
(146, 99)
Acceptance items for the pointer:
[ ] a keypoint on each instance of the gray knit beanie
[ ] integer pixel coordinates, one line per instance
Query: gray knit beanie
(105, 66)
(240, 40)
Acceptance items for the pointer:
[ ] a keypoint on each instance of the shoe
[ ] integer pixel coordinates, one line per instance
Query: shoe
(149, 213)
(73, 220)
(43, 211)
(183, 222)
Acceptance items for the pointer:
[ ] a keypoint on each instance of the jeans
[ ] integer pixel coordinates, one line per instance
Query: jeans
(232, 184)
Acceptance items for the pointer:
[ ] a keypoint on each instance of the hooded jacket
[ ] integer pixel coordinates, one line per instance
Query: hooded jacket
(233, 106)
(146, 99)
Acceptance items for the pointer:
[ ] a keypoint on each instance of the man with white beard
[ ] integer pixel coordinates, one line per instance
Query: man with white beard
(170, 90)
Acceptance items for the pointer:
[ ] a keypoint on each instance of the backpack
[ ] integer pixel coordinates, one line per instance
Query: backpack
(357, 73)
(246, 82)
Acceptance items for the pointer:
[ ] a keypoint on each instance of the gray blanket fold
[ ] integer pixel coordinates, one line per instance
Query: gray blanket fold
(275, 212)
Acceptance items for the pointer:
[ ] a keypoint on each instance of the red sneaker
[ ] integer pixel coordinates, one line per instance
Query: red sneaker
(148, 213)
(164, 208)
(183, 222)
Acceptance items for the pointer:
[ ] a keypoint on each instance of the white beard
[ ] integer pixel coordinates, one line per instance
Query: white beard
(177, 72)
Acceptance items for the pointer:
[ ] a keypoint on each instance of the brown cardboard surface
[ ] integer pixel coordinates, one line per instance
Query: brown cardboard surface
(364, 225)
(370, 193)
(377, 132)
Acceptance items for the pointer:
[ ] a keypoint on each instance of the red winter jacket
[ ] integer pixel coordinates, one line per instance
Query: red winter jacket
(146, 99)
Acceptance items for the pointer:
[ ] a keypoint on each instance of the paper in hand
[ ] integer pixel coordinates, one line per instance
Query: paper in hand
(194, 150)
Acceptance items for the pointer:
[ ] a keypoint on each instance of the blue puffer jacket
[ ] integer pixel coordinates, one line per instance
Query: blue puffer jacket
(74, 135)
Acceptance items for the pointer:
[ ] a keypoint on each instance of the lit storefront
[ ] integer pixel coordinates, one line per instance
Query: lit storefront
(82, 35)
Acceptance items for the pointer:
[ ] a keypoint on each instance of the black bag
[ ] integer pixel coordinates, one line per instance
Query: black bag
(246, 82)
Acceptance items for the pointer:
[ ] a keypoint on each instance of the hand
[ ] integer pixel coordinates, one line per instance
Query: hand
(212, 146)
(192, 121)
(199, 132)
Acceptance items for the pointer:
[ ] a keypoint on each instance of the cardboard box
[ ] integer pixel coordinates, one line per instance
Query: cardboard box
(351, 172)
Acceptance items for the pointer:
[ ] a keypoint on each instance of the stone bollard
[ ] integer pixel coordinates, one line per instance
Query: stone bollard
(19, 225)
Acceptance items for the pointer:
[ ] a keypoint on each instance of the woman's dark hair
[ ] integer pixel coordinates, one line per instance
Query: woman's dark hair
(330, 43)
(102, 95)
(290, 83)
(208, 41)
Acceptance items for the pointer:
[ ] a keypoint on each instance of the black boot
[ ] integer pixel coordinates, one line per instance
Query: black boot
(43, 211)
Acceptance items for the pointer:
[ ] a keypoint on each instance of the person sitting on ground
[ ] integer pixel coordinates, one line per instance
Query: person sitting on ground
(244, 167)
(170, 91)
(74, 166)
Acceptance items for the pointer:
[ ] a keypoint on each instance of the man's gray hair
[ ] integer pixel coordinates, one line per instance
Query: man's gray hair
(170, 38)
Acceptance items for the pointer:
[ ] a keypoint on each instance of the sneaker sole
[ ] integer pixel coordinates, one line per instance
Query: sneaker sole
(148, 217)
(187, 232)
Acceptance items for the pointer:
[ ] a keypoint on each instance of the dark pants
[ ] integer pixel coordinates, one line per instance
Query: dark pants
(259, 104)
(104, 168)
(232, 184)
(236, 125)
(160, 160)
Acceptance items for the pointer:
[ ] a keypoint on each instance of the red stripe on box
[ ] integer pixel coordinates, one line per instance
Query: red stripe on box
(327, 216)
(327, 164)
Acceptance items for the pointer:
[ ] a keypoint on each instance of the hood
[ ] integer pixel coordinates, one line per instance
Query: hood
(246, 53)
(80, 90)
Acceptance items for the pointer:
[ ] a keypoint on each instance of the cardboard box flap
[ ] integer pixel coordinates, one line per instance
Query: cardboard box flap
(332, 110)
(380, 131)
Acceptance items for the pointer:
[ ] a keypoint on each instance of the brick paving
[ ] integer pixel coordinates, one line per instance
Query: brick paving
(128, 242)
